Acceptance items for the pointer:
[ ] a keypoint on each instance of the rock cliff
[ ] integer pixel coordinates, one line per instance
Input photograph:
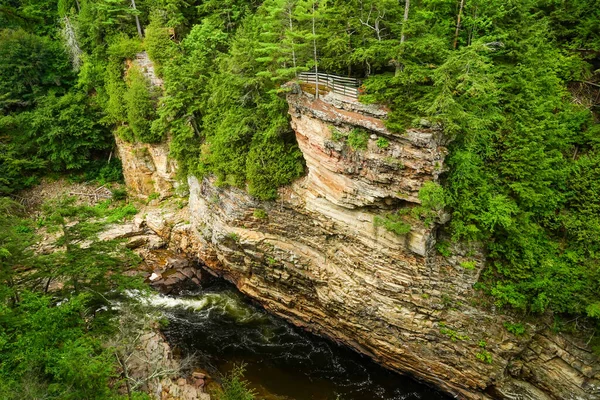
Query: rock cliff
(316, 258)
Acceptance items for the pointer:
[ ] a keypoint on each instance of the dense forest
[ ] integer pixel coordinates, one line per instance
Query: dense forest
(513, 84)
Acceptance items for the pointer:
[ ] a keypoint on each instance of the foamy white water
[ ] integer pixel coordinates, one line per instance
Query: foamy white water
(222, 302)
(161, 301)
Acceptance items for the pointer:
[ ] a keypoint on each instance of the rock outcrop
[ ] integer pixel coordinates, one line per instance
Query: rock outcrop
(151, 364)
(316, 258)
(147, 167)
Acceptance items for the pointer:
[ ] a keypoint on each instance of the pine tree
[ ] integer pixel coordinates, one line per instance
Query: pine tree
(309, 16)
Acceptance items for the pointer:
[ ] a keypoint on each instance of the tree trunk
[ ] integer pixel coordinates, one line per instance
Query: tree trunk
(397, 63)
(462, 4)
(126, 374)
(291, 30)
(137, 21)
(406, 8)
(315, 51)
(47, 285)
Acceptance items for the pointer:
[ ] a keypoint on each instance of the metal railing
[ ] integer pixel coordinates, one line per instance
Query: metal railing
(337, 84)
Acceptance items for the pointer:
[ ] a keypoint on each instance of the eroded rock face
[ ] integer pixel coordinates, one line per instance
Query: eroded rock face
(147, 168)
(315, 258)
(395, 170)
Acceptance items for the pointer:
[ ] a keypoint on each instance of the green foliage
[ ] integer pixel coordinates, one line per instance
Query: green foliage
(102, 171)
(336, 134)
(517, 329)
(157, 42)
(235, 387)
(140, 100)
(31, 67)
(383, 143)
(122, 47)
(49, 350)
(271, 163)
(153, 196)
(233, 124)
(119, 194)
(443, 247)
(393, 222)
(66, 131)
(485, 357)
(358, 139)
(120, 214)
(470, 265)
(260, 214)
(451, 333)
(16, 239)
(233, 236)
(84, 261)
(433, 201)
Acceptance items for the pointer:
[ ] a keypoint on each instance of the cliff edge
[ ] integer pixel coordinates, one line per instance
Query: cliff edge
(316, 258)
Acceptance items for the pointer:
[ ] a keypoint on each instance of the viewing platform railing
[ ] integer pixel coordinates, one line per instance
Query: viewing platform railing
(337, 84)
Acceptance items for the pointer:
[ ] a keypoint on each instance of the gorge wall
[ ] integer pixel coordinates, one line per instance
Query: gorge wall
(316, 258)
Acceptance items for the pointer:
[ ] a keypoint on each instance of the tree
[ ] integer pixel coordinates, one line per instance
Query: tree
(82, 261)
(460, 10)
(49, 350)
(16, 255)
(308, 14)
(277, 45)
(140, 100)
(67, 131)
(31, 66)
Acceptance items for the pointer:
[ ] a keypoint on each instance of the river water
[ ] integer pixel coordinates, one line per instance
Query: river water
(221, 328)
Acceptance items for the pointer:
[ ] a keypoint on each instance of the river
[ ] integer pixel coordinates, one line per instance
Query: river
(222, 328)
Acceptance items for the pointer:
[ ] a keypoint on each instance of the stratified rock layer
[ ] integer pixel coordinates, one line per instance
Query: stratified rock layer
(147, 168)
(316, 258)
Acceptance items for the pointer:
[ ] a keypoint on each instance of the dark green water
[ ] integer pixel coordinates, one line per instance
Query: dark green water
(222, 329)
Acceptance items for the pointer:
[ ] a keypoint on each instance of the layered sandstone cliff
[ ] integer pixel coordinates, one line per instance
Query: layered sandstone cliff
(316, 258)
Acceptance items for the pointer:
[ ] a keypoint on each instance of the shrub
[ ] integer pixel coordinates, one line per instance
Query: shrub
(516, 329)
(234, 387)
(260, 213)
(358, 139)
(484, 356)
(451, 333)
(392, 223)
(433, 200)
(153, 196)
(443, 248)
(383, 143)
(117, 214)
(272, 163)
(125, 133)
(468, 264)
(67, 130)
(119, 194)
(336, 134)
